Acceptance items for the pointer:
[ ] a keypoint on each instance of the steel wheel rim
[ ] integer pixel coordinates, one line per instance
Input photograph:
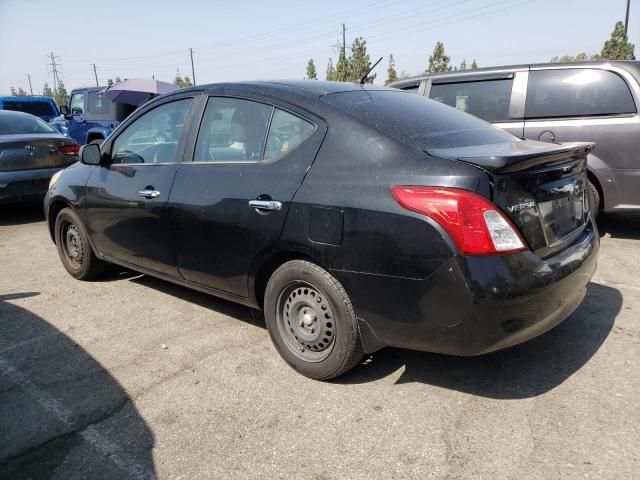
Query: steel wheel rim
(72, 246)
(305, 321)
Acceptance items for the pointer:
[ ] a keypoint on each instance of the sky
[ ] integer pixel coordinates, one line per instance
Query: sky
(258, 40)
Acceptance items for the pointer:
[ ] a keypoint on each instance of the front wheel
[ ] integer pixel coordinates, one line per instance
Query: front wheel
(311, 320)
(73, 247)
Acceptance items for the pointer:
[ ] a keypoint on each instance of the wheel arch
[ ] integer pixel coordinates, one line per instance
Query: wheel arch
(54, 209)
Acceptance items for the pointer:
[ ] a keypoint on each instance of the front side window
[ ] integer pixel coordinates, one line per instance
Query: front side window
(487, 99)
(577, 92)
(77, 104)
(232, 130)
(153, 137)
(97, 104)
(286, 132)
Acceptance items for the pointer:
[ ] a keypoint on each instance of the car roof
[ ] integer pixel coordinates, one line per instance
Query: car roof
(631, 65)
(34, 98)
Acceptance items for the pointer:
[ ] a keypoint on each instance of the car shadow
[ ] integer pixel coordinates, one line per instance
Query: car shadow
(61, 413)
(620, 225)
(21, 213)
(523, 371)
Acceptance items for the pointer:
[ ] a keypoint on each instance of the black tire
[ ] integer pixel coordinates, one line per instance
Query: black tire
(594, 199)
(73, 247)
(302, 290)
(97, 141)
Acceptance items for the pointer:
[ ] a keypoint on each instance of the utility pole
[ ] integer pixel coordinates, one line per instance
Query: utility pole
(30, 87)
(96, 74)
(344, 38)
(54, 70)
(193, 72)
(626, 20)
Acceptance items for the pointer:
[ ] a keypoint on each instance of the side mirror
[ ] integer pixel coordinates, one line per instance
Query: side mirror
(64, 110)
(90, 154)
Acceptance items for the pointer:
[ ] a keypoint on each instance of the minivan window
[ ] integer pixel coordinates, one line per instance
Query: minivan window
(577, 92)
(232, 130)
(97, 104)
(39, 109)
(417, 121)
(153, 137)
(487, 99)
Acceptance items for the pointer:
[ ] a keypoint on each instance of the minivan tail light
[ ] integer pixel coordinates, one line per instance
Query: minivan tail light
(474, 224)
(69, 149)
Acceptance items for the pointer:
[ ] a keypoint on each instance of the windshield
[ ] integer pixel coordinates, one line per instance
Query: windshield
(23, 124)
(417, 121)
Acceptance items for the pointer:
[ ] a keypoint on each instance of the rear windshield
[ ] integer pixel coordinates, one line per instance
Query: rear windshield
(417, 121)
(39, 109)
(12, 124)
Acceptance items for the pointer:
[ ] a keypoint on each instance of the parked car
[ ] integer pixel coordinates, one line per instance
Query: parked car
(355, 217)
(589, 101)
(42, 107)
(31, 152)
(90, 117)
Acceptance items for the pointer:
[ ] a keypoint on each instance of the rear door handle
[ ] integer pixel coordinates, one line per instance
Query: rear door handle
(149, 193)
(265, 205)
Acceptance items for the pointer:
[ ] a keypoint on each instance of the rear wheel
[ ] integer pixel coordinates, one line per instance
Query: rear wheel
(311, 320)
(594, 199)
(73, 247)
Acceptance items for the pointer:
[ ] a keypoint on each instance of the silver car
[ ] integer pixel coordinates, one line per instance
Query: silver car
(589, 101)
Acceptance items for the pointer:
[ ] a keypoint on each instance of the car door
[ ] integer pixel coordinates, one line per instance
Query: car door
(494, 97)
(229, 204)
(77, 123)
(591, 105)
(126, 199)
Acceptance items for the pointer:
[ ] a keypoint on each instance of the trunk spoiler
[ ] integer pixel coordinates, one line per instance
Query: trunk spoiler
(515, 156)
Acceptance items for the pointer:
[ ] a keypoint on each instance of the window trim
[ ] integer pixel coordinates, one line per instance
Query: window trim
(582, 116)
(273, 106)
(180, 147)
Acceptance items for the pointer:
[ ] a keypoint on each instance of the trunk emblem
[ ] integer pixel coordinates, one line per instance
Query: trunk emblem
(520, 207)
(30, 150)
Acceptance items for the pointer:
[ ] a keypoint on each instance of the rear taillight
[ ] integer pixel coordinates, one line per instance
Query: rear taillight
(475, 225)
(69, 149)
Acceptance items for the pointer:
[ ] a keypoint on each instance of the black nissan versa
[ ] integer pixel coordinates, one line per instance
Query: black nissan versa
(355, 217)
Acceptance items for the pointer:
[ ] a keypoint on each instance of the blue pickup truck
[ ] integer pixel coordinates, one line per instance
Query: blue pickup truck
(90, 117)
(42, 107)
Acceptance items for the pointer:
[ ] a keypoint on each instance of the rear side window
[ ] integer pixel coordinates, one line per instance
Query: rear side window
(286, 132)
(415, 120)
(577, 92)
(487, 99)
(39, 109)
(97, 104)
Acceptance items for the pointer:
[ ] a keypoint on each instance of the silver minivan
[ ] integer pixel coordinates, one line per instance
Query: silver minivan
(588, 101)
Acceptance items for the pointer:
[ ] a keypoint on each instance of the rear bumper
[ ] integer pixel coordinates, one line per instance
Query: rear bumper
(474, 305)
(25, 185)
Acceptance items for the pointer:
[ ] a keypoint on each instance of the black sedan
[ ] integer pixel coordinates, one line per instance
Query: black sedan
(31, 152)
(355, 217)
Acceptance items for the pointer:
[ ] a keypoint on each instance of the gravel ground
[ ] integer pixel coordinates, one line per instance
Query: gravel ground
(132, 377)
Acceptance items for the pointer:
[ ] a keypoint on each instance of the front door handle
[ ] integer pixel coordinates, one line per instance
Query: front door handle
(264, 206)
(149, 193)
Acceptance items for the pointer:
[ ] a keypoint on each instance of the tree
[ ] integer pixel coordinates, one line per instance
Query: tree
(118, 80)
(463, 65)
(581, 57)
(343, 68)
(178, 81)
(109, 82)
(21, 92)
(331, 71)
(60, 95)
(187, 82)
(46, 91)
(392, 75)
(311, 70)
(13, 91)
(618, 46)
(359, 62)
(474, 65)
(438, 62)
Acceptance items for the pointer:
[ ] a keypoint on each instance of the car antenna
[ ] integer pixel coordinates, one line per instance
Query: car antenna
(364, 77)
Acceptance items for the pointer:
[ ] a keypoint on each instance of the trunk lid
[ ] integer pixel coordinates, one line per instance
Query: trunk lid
(33, 151)
(541, 187)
